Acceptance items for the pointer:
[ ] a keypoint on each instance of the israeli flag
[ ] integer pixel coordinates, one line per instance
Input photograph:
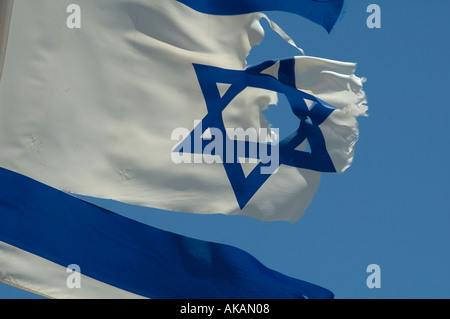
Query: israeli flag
(59, 246)
(152, 103)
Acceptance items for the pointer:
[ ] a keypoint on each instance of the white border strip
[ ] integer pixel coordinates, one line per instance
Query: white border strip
(29, 272)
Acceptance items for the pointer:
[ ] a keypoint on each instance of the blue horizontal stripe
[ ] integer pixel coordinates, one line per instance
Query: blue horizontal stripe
(322, 12)
(129, 255)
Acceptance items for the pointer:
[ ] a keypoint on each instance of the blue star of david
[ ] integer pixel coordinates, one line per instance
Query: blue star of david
(245, 187)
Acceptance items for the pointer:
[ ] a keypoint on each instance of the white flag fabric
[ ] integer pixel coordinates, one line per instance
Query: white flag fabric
(93, 110)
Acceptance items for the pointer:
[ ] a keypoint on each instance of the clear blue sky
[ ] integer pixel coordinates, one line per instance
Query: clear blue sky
(391, 207)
